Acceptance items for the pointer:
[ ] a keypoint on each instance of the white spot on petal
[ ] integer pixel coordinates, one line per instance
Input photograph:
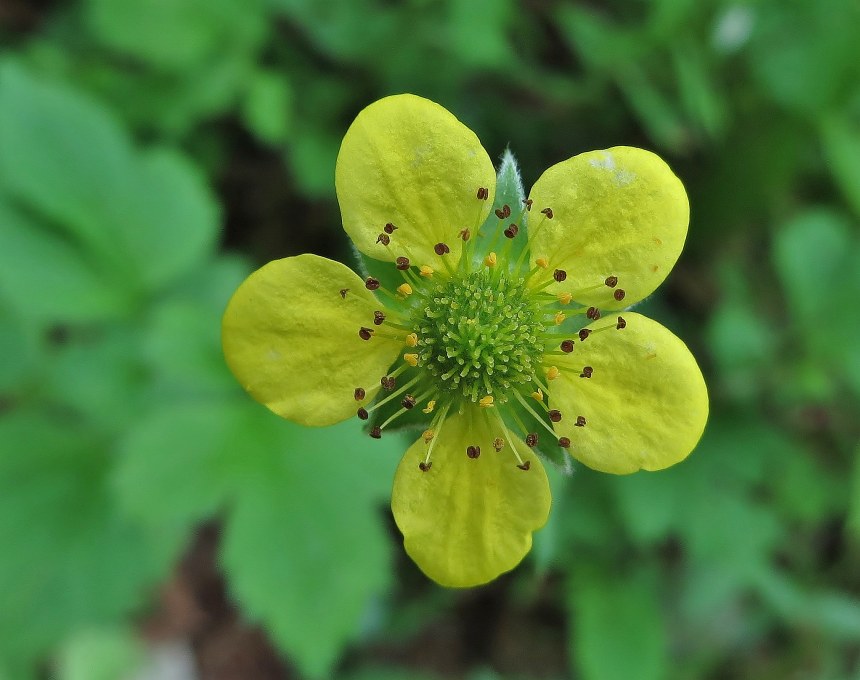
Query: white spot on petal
(607, 162)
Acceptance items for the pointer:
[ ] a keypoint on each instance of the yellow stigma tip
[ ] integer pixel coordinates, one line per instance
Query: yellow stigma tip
(411, 359)
(559, 318)
(537, 395)
(428, 436)
(424, 270)
(412, 340)
(542, 263)
(565, 298)
(490, 260)
(430, 406)
(552, 373)
(486, 402)
(404, 289)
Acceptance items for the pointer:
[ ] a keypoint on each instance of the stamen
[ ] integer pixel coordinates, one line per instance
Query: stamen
(547, 212)
(365, 333)
(424, 270)
(412, 340)
(564, 442)
(504, 212)
(586, 372)
(388, 382)
(621, 323)
(542, 262)
(566, 346)
(593, 313)
(411, 359)
(559, 275)
(552, 373)
(402, 263)
(584, 333)
(362, 413)
(498, 444)
(483, 193)
(473, 451)
(465, 234)
(531, 439)
(537, 395)
(376, 432)
(580, 421)
(430, 406)
(441, 249)
(408, 402)
(511, 231)
(486, 402)
(404, 289)
(428, 435)
(555, 415)
(435, 430)
(528, 203)
(490, 260)
(611, 281)
(378, 318)
(424, 466)
(559, 318)
(565, 298)
(343, 292)
(384, 239)
(525, 466)
(389, 228)
(619, 294)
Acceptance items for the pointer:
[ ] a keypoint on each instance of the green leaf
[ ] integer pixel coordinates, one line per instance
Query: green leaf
(68, 559)
(618, 630)
(268, 107)
(305, 548)
(841, 141)
(94, 654)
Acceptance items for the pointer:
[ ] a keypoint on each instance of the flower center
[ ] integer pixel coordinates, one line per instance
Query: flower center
(481, 334)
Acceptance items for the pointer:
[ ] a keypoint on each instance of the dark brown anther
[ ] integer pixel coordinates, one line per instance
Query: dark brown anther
(371, 283)
(359, 394)
(376, 432)
(547, 212)
(512, 231)
(343, 292)
(483, 193)
(441, 249)
(593, 313)
(365, 333)
(425, 466)
(554, 416)
(559, 275)
(402, 263)
(473, 451)
(586, 372)
(408, 401)
(583, 334)
(504, 212)
(564, 442)
(389, 228)
(619, 294)
(621, 323)
(528, 203)
(525, 466)
(580, 421)
(362, 413)
(388, 382)
(465, 234)
(378, 318)
(567, 346)
(498, 444)
(531, 439)
(384, 239)
(611, 281)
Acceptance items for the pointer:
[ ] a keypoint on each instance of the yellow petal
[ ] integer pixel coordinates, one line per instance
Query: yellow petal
(290, 336)
(407, 161)
(619, 212)
(466, 521)
(645, 404)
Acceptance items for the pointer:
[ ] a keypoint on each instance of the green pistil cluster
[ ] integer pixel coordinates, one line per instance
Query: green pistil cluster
(481, 334)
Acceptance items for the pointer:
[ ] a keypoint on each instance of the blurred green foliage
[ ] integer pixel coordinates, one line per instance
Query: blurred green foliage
(133, 131)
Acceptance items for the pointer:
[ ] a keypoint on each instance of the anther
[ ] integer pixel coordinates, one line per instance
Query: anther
(531, 439)
(365, 333)
(376, 432)
(580, 421)
(424, 270)
(552, 373)
(584, 333)
(441, 249)
(504, 212)
(411, 359)
(408, 401)
(542, 262)
(486, 402)
(430, 406)
(611, 281)
(412, 340)
(498, 444)
(465, 234)
(537, 395)
(389, 228)
(402, 263)
(473, 451)
(565, 298)
(564, 442)
(371, 283)
(619, 294)
(384, 239)
(490, 260)
(528, 203)
(554, 416)
(359, 394)
(559, 275)
(586, 372)
(404, 289)
(388, 382)
(362, 413)
(427, 436)
(378, 318)
(559, 318)
(593, 313)
(425, 466)
(566, 346)
(547, 212)
(343, 292)
(512, 231)
(525, 466)
(621, 323)
(483, 193)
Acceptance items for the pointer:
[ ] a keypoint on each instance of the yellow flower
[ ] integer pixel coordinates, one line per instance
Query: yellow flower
(317, 344)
